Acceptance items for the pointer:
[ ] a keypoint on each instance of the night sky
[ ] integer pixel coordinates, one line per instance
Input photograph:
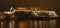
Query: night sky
(6, 4)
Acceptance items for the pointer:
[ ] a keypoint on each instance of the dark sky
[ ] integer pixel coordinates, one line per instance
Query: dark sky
(35, 3)
(5, 4)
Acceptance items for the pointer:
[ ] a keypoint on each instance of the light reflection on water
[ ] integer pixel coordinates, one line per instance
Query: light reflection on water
(29, 24)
